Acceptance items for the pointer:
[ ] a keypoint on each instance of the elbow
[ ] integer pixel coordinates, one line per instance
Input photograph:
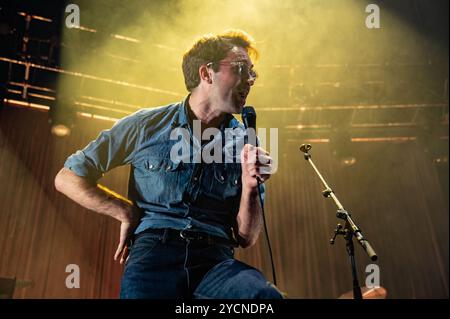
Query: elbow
(60, 181)
(66, 181)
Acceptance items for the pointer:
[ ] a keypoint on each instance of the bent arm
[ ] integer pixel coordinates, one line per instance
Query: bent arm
(256, 163)
(93, 197)
(249, 218)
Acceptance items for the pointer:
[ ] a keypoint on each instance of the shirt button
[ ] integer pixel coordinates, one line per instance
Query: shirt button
(235, 182)
(222, 178)
(168, 168)
(151, 166)
(195, 178)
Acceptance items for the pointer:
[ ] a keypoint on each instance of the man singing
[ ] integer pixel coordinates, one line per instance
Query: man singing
(183, 218)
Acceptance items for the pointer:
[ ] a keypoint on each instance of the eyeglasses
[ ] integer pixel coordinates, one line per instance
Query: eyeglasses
(239, 68)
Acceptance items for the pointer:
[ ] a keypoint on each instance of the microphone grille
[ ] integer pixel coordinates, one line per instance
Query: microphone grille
(248, 111)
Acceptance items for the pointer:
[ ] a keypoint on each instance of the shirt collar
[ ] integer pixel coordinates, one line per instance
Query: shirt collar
(182, 119)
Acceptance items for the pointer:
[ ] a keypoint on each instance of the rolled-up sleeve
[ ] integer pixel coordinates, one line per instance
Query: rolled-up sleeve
(112, 148)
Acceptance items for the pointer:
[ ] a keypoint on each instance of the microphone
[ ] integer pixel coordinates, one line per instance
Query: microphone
(249, 120)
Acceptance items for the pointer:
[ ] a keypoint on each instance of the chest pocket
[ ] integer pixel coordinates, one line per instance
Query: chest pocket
(226, 181)
(161, 181)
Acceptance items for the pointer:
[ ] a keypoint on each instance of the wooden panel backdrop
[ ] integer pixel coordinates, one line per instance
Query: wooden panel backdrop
(393, 192)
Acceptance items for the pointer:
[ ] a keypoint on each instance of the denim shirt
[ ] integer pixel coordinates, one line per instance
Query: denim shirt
(181, 194)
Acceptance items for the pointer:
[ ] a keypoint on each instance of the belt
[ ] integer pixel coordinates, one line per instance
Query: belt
(185, 234)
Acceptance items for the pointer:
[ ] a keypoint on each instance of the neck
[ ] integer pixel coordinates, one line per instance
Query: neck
(204, 111)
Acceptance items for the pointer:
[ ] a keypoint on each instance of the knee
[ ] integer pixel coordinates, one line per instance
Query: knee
(253, 285)
(236, 280)
(268, 291)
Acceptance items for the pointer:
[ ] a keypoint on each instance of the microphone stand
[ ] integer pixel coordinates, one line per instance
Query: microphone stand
(350, 229)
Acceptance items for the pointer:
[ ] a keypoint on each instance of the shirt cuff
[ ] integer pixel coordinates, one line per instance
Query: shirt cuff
(80, 165)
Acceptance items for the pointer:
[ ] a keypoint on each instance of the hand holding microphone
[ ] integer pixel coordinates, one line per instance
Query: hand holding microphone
(255, 161)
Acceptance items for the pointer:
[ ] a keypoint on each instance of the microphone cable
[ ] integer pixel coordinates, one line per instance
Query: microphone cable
(266, 232)
(249, 120)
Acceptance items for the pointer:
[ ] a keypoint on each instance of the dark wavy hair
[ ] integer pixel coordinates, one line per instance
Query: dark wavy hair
(213, 48)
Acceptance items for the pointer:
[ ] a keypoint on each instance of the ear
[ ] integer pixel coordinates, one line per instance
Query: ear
(204, 73)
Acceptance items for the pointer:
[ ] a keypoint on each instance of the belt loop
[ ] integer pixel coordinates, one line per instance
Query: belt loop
(165, 234)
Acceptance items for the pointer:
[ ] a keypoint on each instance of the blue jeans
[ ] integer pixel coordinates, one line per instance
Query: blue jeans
(160, 268)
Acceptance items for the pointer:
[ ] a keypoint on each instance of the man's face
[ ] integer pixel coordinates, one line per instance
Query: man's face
(231, 83)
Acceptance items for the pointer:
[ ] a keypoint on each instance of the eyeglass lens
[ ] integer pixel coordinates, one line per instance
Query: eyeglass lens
(244, 71)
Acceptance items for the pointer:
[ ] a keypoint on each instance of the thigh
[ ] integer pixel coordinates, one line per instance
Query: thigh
(154, 270)
(202, 258)
(232, 279)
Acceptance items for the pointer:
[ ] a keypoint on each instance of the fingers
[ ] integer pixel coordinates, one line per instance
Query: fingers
(125, 255)
(251, 154)
(124, 234)
(259, 163)
(119, 250)
(260, 172)
(264, 160)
